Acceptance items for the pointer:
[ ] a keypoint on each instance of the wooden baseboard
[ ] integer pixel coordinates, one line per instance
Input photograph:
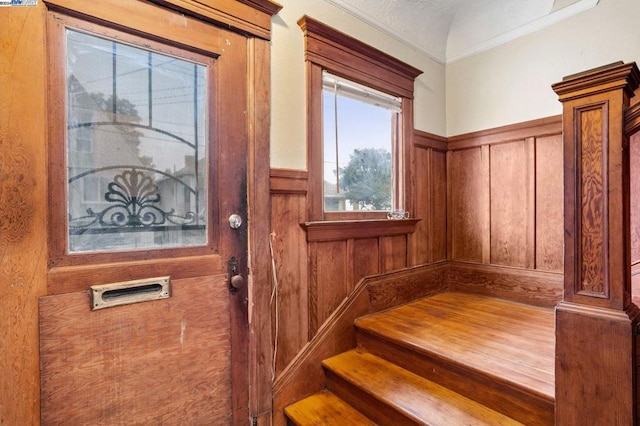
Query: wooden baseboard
(529, 286)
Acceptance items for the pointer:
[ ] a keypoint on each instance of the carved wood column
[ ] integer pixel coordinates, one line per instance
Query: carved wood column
(595, 323)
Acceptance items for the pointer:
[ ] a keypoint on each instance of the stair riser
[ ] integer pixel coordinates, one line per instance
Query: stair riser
(489, 391)
(365, 403)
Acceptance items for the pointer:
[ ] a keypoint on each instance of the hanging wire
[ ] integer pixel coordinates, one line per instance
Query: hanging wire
(274, 298)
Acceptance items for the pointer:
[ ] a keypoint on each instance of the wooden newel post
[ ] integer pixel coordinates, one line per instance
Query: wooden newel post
(596, 321)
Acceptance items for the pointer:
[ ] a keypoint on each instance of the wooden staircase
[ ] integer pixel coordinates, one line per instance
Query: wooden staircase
(451, 359)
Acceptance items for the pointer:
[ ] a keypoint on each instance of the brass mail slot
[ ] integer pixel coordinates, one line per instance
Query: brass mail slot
(124, 293)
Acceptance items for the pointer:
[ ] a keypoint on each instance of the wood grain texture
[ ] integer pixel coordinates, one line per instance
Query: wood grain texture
(520, 205)
(469, 204)
(511, 207)
(333, 49)
(595, 324)
(23, 204)
(397, 288)
(291, 262)
(549, 204)
(287, 181)
(341, 230)
(534, 128)
(250, 18)
(259, 214)
(420, 241)
(304, 375)
(438, 206)
(329, 283)
(366, 258)
(393, 253)
(391, 395)
(429, 241)
(532, 287)
(493, 351)
(634, 148)
(118, 364)
(594, 364)
(324, 408)
(69, 279)
(593, 202)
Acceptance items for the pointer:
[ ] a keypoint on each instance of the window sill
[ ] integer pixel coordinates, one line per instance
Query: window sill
(335, 230)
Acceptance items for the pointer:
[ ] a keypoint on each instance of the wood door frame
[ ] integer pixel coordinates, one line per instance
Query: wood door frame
(247, 403)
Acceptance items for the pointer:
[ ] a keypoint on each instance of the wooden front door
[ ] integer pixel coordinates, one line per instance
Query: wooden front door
(147, 164)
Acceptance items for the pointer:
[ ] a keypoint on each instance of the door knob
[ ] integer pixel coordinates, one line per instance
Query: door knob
(235, 279)
(235, 221)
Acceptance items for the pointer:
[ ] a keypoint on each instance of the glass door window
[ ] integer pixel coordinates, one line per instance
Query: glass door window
(136, 147)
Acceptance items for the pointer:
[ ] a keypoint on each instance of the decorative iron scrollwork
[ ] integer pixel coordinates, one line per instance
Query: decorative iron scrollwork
(134, 199)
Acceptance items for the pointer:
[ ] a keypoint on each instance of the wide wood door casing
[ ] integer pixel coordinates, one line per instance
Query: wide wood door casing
(182, 359)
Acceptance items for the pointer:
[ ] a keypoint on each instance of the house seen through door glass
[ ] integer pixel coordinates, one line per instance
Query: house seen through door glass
(136, 147)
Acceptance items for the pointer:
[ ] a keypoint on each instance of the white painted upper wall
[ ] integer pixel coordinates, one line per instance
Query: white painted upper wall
(507, 84)
(511, 83)
(288, 93)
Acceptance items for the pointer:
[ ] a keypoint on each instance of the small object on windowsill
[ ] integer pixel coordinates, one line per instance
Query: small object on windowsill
(398, 214)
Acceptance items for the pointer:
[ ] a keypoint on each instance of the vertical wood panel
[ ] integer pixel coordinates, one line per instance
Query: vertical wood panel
(438, 221)
(484, 202)
(510, 209)
(393, 253)
(421, 239)
(329, 281)
(23, 200)
(365, 258)
(593, 205)
(260, 335)
(468, 200)
(290, 255)
(549, 204)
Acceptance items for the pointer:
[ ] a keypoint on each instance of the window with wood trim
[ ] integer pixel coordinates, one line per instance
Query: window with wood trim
(360, 118)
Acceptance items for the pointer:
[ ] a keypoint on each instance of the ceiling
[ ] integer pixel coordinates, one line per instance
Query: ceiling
(450, 30)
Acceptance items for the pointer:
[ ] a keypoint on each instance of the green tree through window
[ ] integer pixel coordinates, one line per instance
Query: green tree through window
(366, 180)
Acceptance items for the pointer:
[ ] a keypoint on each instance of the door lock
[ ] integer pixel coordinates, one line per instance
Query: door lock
(236, 280)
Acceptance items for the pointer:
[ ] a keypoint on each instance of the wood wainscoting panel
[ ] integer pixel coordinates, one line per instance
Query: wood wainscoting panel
(289, 245)
(329, 283)
(429, 242)
(421, 239)
(365, 258)
(537, 288)
(468, 210)
(549, 204)
(438, 206)
(393, 253)
(118, 365)
(512, 205)
(505, 196)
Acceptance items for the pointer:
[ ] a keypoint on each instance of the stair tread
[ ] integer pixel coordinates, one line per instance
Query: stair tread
(494, 337)
(417, 398)
(325, 409)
